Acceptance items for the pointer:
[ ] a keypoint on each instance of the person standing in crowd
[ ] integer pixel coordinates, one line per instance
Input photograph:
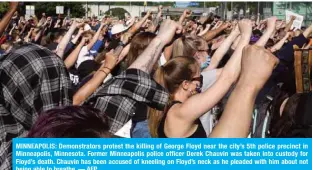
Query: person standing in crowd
(33, 80)
(173, 74)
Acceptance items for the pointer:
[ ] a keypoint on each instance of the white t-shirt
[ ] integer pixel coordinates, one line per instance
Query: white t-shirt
(209, 78)
(84, 55)
(162, 60)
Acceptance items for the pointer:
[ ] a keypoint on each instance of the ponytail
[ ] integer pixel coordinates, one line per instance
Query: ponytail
(170, 76)
(154, 116)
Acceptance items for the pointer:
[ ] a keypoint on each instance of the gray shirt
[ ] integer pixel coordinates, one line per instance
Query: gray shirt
(209, 78)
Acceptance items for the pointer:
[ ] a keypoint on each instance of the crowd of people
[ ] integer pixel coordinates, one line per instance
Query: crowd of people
(149, 77)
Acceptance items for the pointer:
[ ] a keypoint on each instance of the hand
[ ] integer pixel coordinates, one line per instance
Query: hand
(160, 7)
(108, 21)
(13, 6)
(226, 25)
(293, 18)
(199, 27)
(126, 37)
(203, 19)
(187, 13)
(257, 66)
(194, 26)
(148, 13)
(278, 25)
(245, 27)
(289, 35)
(167, 31)
(81, 30)
(271, 23)
(218, 24)
(236, 30)
(74, 24)
(208, 26)
(83, 40)
(110, 59)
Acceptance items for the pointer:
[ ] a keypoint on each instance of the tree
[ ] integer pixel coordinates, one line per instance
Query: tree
(3, 8)
(117, 12)
(76, 8)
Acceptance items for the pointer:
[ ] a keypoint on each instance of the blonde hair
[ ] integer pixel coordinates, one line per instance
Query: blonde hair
(187, 45)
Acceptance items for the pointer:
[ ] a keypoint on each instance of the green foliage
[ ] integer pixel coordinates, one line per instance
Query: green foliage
(76, 8)
(3, 7)
(117, 12)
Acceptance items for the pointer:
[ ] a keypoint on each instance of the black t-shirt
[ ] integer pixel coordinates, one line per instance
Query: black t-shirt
(113, 44)
(86, 68)
(52, 46)
(140, 113)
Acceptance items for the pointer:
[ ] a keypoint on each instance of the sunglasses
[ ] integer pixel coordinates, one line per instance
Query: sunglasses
(198, 87)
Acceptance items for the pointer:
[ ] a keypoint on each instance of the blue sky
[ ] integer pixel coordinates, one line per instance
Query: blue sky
(182, 3)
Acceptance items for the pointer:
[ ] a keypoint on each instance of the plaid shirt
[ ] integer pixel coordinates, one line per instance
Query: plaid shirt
(33, 79)
(118, 97)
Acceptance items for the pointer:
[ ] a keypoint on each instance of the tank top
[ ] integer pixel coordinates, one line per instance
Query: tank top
(199, 133)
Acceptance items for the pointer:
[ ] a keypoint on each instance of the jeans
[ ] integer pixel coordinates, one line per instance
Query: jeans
(140, 130)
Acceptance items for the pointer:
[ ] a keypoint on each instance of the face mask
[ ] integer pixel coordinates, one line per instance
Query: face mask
(205, 64)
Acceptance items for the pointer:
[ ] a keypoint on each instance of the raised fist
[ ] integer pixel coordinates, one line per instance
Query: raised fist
(271, 22)
(257, 65)
(167, 30)
(245, 26)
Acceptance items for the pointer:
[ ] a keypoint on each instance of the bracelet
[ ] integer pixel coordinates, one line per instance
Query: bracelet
(107, 68)
(103, 71)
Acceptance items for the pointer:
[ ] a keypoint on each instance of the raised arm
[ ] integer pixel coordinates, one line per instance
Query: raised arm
(38, 35)
(213, 33)
(289, 24)
(186, 13)
(235, 44)
(258, 19)
(222, 50)
(205, 30)
(257, 66)
(156, 20)
(138, 25)
(7, 17)
(65, 40)
(95, 37)
(280, 44)
(77, 37)
(228, 76)
(90, 87)
(270, 29)
(72, 58)
(125, 39)
(12, 29)
(151, 54)
(27, 38)
(57, 23)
